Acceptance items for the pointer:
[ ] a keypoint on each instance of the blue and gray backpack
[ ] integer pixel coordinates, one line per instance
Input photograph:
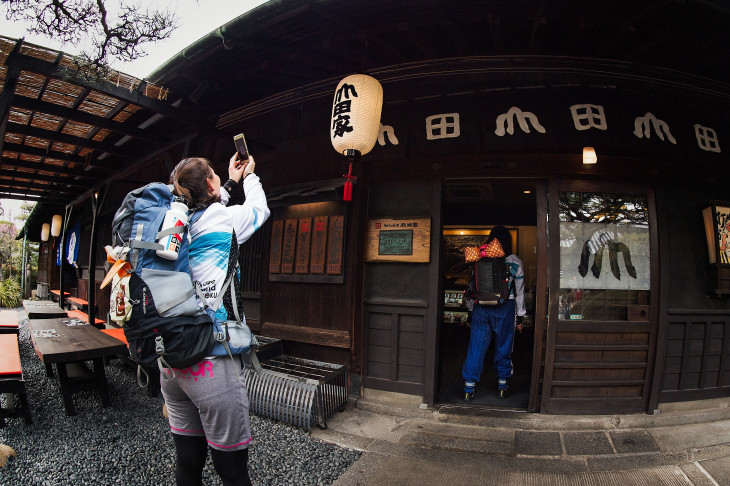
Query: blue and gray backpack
(163, 322)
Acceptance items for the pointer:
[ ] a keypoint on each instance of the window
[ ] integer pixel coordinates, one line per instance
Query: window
(604, 256)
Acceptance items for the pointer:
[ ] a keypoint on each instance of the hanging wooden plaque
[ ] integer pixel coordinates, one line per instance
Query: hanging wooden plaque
(304, 239)
(335, 240)
(277, 234)
(319, 245)
(289, 246)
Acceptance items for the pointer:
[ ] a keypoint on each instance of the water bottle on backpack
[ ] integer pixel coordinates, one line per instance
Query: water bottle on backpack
(177, 215)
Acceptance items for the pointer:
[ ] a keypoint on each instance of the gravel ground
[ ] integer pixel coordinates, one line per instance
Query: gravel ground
(129, 443)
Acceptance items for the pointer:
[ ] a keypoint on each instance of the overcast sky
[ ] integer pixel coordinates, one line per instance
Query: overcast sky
(195, 19)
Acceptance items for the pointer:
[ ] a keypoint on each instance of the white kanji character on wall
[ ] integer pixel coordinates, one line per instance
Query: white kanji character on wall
(389, 132)
(505, 122)
(643, 125)
(444, 125)
(587, 116)
(706, 138)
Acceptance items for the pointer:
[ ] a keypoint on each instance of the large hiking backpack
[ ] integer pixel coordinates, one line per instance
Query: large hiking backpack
(491, 276)
(153, 298)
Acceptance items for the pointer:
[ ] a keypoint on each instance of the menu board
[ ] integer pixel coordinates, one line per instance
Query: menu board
(289, 246)
(319, 245)
(304, 239)
(277, 234)
(335, 240)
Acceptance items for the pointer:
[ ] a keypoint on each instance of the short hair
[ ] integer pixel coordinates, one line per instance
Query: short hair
(503, 235)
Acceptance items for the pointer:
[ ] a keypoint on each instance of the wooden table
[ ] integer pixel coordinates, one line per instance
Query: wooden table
(68, 347)
(43, 309)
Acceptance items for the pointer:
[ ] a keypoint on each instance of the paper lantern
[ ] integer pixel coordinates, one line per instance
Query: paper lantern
(356, 113)
(355, 120)
(56, 224)
(45, 231)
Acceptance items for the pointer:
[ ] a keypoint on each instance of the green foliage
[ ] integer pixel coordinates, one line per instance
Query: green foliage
(10, 293)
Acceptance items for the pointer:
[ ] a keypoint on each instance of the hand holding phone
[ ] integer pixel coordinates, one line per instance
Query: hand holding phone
(241, 147)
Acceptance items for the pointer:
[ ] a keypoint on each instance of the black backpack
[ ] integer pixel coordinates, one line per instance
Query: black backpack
(491, 282)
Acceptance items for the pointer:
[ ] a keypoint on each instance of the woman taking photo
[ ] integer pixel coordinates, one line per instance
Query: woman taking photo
(211, 410)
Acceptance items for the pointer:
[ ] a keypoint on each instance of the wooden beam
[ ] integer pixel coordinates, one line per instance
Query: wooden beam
(69, 139)
(24, 164)
(68, 181)
(135, 165)
(83, 117)
(16, 186)
(42, 152)
(107, 87)
(309, 335)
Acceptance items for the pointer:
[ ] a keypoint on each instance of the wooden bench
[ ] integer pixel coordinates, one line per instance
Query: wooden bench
(8, 322)
(77, 303)
(117, 333)
(56, 295)
(77, 314)
(11, 381)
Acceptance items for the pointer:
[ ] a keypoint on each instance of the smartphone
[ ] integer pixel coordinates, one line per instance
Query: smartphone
(241, 147)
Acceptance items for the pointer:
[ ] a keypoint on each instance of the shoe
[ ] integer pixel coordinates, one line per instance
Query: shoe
(468, 396)
(502, 388)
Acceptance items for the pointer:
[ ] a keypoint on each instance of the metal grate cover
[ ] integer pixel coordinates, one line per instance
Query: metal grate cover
(297, 391)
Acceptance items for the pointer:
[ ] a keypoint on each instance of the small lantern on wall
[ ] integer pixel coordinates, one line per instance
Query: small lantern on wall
(45, 231)
(717, 233)
(355, 121)
(56, 225)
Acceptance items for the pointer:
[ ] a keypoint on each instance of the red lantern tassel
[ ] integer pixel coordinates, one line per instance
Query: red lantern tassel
(347, 196)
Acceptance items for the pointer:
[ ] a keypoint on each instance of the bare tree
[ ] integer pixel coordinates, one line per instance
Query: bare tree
(113, 30)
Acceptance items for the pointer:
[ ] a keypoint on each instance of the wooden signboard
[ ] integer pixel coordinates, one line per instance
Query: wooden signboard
(319, 245)
(335, 240)
(398, 240)
(289, 246)
(304, 239)
(277, 235)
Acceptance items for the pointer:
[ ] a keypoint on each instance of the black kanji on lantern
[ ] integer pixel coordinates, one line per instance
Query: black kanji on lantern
(341, 121)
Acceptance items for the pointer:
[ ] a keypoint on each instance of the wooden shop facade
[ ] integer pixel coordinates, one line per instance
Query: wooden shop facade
(626, 293)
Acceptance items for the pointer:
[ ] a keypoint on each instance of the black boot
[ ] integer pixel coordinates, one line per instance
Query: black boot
(468, 396)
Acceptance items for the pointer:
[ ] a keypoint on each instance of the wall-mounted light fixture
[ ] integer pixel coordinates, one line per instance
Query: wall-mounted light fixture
(717, 234)
(589, 155)
(45, 231)
(56, 225)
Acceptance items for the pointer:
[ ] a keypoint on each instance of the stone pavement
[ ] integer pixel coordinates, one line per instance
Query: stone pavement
(454, 445)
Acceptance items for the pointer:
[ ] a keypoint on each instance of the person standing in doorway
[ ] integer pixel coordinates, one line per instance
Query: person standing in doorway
(499, 321)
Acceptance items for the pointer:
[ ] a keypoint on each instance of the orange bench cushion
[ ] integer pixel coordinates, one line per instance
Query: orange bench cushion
(117, 333)
(77, 301)
(8, 318)
(83, 316)
(9, 355)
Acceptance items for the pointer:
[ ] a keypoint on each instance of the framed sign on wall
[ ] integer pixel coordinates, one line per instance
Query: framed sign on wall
(398, 240)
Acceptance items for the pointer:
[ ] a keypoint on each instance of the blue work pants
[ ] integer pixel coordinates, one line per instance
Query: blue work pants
(485, 321)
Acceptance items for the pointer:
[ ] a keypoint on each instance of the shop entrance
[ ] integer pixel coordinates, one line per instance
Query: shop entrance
(471, 209)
